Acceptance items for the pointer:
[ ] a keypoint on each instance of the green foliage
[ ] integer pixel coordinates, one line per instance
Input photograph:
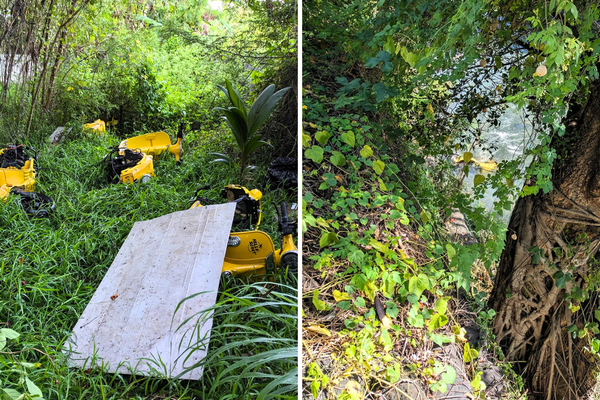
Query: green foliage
(15, 372)
(50, 268)
(244, 124)
(257, 336)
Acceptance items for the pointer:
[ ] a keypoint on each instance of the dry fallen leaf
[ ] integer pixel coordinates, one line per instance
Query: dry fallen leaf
(514, 236)
(114, 296)
(483, 63)
(319, 330)
(354, 390)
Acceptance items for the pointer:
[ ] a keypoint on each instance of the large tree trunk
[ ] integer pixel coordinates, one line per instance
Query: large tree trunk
(533, 313)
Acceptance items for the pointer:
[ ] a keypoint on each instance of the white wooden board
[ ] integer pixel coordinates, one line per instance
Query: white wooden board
(161, 262)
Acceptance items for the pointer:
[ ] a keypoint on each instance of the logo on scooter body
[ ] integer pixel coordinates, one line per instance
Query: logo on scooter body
(254, 246)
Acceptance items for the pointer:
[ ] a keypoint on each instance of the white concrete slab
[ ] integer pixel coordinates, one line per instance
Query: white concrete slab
(161, 262)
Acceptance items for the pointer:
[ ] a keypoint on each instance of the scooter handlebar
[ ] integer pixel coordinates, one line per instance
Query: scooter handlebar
(284, 215)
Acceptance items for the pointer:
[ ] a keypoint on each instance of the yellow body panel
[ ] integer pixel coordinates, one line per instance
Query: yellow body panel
(98, 126)
(134, 174)
(288, 245)
(23, 178)
(249, 255)
(154, 143)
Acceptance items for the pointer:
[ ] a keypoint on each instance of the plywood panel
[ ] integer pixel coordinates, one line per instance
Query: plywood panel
(129, 322)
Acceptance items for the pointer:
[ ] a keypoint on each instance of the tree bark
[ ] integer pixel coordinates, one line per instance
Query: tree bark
(552, 236)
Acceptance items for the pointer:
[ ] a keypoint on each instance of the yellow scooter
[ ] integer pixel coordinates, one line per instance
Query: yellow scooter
(133, 160)
(251, 251)
(17, 177)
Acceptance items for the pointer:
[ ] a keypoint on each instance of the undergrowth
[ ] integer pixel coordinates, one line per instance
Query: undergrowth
(385, 289)
(50, 268)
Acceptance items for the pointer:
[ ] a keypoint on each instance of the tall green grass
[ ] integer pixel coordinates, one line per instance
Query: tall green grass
(50, 268)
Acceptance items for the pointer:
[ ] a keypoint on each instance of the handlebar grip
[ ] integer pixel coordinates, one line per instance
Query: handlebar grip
(284, 215)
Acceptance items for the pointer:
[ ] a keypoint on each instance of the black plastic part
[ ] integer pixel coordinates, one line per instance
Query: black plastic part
(283, 171)
(35, 204)
(15, 156)
(286, 227)
(180, 131)
(118, 163)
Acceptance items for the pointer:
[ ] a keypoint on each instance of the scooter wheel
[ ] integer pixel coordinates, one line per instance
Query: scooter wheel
(289, 261)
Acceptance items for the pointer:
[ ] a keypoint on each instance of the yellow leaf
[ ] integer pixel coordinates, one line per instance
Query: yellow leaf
(467, 156)
(430, 108)
(460, 333)
(312, 125)
(386, 322)
(69, 89)
(319, 330)
(340, 296)
(354, 390)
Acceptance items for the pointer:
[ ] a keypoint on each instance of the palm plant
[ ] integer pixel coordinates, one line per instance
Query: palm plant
(244, 124)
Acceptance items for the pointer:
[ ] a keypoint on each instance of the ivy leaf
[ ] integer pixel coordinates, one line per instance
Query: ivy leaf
(437, 321)
(383, 55)
(478, 179)
(441, 304)
(319, 304)
(348, 138)
(393, 373)
(378, 167)
(469, 353)
(450, 375)
(356, 257)
(366, 151)
(359, 302)
(328, 238)
(344, 305)
(467, 157)
(340, 296)
(315, 154)
(371, 62)
(418, 284)
(380, 92)
(392, 309)
(322, 136)
(370, 290)
(338, 159)
(305, 140)
(425, 216)
(477, 384)
(386, 67)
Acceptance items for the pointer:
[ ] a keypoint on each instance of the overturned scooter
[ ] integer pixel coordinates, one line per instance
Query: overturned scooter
(251, 251)
(18, 170)
(133, 160)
